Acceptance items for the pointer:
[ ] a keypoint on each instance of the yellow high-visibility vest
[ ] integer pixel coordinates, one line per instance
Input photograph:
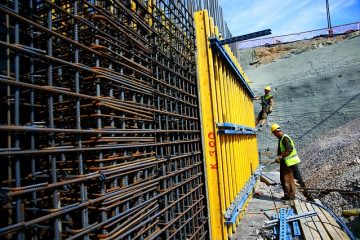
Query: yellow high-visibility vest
(293, 157)
(265, 100)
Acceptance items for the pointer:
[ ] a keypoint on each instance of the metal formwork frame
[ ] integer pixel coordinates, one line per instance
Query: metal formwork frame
(230, 147)
(100, 121)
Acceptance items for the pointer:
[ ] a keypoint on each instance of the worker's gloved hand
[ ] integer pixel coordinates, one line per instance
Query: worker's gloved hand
(278, 159)
(270, 110)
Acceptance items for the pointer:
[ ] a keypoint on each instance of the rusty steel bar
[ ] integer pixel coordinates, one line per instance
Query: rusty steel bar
(99, 106)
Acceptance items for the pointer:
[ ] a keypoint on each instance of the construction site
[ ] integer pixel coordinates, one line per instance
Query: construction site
(138, 119)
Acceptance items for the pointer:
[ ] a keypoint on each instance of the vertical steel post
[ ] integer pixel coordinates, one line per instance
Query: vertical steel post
(19, 209)
(330, 31)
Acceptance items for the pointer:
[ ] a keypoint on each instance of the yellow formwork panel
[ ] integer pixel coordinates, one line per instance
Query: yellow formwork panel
(211, 150)
(150, 6)
(133, 8)
(230, 160)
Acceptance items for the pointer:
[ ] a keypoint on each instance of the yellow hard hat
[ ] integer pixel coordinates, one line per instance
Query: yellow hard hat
(274, 127)
(267, 88)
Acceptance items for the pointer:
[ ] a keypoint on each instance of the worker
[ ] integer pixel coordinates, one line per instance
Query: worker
(289, 160)
(267, 102)
(300, 181)
(287, 157)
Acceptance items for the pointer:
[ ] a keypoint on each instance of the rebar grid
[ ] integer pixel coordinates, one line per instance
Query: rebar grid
(100, 133)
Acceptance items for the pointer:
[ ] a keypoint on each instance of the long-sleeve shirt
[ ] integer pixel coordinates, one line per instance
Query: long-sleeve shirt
(287, 145)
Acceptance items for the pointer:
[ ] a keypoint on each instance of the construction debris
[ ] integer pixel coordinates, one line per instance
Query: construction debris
(267, 180)
(351, 212)
(271, 223)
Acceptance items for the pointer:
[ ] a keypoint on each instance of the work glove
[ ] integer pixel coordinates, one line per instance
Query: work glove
(270, 110)
(278, 159)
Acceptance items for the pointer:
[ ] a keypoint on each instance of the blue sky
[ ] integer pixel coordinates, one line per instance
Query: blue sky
(286, 16)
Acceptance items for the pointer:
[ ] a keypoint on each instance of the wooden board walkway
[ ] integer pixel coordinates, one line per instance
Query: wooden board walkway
(321, 227)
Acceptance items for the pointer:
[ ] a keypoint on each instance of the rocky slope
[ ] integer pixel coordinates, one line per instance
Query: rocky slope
(255, 57)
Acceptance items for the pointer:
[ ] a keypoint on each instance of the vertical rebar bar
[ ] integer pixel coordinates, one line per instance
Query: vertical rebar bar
(32, 116)
(52, 158)
(101, 49)
(83, 190)
(8, 105)
(19, 210)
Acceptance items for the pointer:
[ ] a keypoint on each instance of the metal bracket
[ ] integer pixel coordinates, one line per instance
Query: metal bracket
(295, 224)
(231, 128)
(274, 229)
(283, 225)
(237, 205)
(219, 49)
(245, 37)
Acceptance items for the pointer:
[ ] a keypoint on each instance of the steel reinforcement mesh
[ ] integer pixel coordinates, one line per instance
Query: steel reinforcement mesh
(99, 121)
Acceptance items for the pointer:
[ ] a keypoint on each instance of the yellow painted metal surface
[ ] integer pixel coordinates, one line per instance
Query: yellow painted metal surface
(133, 8)
(230, 160)
(150, 6)
(205, 70)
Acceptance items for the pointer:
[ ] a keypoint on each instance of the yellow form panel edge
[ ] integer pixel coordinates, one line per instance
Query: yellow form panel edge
(209, 139)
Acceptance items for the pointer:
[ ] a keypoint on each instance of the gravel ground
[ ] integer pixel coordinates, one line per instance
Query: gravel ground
(333, 161)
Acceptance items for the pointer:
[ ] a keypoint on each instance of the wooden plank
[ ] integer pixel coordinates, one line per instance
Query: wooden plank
(305, 229)
(309, 221)
(323, 234)
(328, 226)
(334, 224)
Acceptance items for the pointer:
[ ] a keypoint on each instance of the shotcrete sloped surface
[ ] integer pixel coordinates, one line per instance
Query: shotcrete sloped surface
(314, 91)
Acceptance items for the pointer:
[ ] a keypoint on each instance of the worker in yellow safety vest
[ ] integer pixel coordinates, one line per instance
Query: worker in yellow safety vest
(267, 102)
(288, 159)
(287, 156)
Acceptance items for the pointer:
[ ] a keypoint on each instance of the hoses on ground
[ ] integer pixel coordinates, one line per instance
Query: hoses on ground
(338, 220)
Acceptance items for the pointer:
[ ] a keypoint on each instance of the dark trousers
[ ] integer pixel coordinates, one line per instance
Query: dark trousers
(287, 180)
(297, 176)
